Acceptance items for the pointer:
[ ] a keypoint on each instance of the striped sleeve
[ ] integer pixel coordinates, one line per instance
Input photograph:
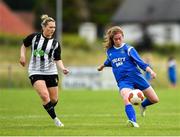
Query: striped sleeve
(28, 40)
(57, 52)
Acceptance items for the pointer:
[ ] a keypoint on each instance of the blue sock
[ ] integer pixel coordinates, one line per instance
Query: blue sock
(130, 112)
(146, 102)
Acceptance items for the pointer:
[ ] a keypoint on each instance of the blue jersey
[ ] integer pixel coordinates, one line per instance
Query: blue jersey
(124, 61)
(148, 76)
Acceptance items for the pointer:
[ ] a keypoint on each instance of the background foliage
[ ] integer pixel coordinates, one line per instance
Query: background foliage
(74, 12)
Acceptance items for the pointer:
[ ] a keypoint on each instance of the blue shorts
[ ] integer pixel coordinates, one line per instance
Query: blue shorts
(133, 81)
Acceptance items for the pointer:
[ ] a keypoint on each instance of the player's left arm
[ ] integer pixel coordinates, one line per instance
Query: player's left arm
(58, 61)
(134, 54)
(22, 59)
(153, 74)
(60, 65)
(137, 59)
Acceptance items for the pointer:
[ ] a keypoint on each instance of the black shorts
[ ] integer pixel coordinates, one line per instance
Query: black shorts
(50, 80)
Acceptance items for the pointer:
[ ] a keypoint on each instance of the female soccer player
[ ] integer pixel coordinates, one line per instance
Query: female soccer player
(124, 61)
(45, 58)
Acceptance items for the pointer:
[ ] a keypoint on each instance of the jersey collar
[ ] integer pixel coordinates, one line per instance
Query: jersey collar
(122, 45)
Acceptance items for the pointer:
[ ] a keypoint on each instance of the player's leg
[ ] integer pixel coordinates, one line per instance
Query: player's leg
(42, 90)
(130, 112)
(53, 92)
(151, 98)
(52, 84)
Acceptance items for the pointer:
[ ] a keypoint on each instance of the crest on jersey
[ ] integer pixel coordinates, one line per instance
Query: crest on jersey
(122, 51)
(38, 53)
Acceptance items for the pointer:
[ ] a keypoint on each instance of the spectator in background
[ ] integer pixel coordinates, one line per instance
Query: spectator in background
(172, 76)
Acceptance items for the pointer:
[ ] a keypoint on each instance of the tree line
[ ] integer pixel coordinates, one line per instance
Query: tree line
(74, 12)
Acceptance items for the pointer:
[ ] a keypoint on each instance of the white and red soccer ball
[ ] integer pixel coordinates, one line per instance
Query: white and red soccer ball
(135, 97)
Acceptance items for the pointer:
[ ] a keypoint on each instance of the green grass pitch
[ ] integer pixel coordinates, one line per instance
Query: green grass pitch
(86, 113)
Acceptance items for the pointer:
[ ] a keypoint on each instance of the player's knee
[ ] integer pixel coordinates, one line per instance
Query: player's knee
(54, 100)
(155, 100)
(45, 97)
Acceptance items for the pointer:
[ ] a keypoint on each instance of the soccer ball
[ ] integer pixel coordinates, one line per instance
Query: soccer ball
(136, 96)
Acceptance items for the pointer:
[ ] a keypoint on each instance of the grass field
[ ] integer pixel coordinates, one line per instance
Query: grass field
(84, 113)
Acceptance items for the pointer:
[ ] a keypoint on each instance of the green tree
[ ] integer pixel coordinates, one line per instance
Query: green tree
(97, 11)
(74, 13)
(44, 7)
(26, 5)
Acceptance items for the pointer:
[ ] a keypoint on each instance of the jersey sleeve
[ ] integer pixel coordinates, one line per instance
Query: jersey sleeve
(57, 52)
(28, 40)
(107, 62)
(134, 54)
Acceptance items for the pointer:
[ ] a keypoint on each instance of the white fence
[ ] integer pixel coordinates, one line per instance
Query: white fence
(88, 77)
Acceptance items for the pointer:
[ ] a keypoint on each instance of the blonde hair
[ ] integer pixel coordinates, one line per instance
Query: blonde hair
(45, 20)
(108, 38)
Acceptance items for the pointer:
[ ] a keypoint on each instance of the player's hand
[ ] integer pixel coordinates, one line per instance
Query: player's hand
(22, 61)
(65, 71)
(153, 74)
(100, 68)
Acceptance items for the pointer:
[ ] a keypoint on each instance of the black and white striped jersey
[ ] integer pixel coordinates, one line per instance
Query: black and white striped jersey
(44, 52)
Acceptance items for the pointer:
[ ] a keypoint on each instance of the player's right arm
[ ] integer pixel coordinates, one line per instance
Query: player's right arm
(26, 43)
(23, 55)
(107, 63)
(101, 67)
